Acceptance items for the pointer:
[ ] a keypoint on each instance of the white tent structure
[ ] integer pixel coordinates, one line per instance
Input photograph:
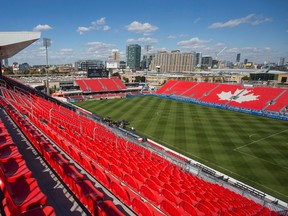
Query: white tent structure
(13, 42)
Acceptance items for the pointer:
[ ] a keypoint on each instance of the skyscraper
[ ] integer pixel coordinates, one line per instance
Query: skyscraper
(282, 61)
(133, 56)
(238, 57)
(198, 59)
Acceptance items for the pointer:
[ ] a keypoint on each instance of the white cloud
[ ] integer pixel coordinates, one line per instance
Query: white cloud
(220, 44)
(145, 28)
(177, 36)
(83, 29)
(100, 46)
(172, 37)
(251, 19)
(42, 27)
(193, 43)
(99, 49)
(106, 28)
(232, 23)
(95, 25)
(260, 20)
(142, 40)
(267, 49)
(249, 49)
(101, 21)
(66, 50)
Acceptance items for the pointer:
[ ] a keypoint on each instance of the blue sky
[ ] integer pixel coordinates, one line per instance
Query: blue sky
(89, 29)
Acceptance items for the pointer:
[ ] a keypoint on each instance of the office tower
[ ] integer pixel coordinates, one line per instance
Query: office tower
(133, 56)
(238, 57)
(207, 61)
(198, 59)
(282, 61)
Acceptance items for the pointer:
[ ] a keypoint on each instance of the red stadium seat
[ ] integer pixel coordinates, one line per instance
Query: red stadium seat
(102, 177)
(5, 139)
(204, 209)
(171, 210)
(187, 207)
(9, 151)
(39, 211)
(152, 185)
(108, 208)
(70, 175)
(88, 194)
(120, 192)
(14, 169)
(116, 171)
(23, 195)
(142, 208)
(170, 196)
(147, 193)
(130, 181)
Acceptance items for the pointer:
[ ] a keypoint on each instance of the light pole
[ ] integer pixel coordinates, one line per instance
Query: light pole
(158, 71)
(46, 44)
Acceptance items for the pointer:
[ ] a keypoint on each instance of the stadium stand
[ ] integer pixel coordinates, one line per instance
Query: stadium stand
(234, 97)
(100, 85)
(263, 97)
(22, 195)
(143, 180)
(280, 102)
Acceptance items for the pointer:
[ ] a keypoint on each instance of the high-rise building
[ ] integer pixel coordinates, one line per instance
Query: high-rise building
(238, 57)
(146, 61)
(198, 59)
(115, 55)
(282, 61)
(245, 61)
(173, 62)
(133, 56)
(207, 61)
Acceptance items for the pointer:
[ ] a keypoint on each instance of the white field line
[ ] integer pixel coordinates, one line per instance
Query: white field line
(253, 142)
(267, 161)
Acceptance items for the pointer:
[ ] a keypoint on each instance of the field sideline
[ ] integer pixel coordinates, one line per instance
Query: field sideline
(249, 148)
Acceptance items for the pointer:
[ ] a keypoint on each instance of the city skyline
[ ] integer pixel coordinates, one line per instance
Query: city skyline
(256, 29)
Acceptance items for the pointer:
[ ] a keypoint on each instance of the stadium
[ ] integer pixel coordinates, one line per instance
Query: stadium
(196, 148)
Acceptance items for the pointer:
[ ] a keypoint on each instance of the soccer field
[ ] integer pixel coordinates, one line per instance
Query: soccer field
(249, 148)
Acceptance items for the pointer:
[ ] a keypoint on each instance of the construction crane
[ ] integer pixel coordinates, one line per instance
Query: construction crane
(217, 54)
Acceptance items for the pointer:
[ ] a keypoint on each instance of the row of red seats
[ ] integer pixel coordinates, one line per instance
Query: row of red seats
(95, 169)
(168, 85)
(280, 103)
(114, 154)
(82, 187)
(21, 191)
(101, 85)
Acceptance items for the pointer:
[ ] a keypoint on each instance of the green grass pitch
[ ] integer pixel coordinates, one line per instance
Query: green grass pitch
(251, 149)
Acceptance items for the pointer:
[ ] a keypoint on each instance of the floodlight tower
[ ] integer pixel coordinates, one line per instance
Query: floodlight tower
(46, 44)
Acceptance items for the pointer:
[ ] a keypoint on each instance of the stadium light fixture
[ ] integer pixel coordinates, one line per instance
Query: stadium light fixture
(46, 44)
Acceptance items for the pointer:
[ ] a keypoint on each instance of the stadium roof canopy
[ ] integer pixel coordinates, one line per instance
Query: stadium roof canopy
(13, 42)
